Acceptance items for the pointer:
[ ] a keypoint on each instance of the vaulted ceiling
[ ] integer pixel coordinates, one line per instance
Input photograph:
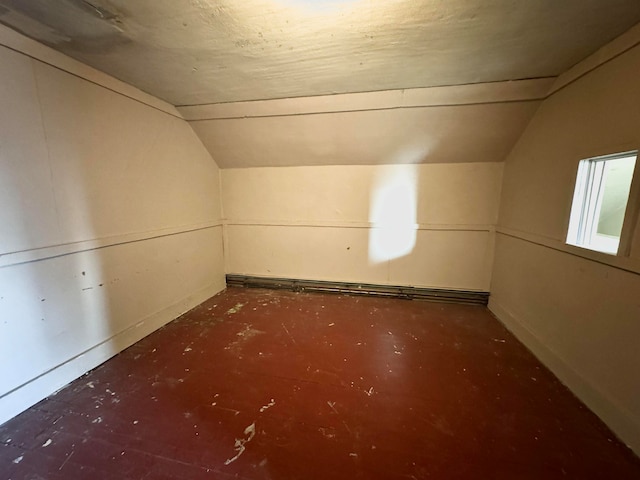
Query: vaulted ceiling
(210, 51)
(193, 53)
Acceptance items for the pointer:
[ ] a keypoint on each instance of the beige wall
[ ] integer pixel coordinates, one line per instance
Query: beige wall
(109, 220)
(318, 222)
(578, 311)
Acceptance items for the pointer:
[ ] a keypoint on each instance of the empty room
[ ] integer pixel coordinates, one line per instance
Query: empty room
(319, 239)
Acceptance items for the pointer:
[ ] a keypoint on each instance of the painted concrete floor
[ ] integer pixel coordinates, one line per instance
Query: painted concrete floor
(257, 384)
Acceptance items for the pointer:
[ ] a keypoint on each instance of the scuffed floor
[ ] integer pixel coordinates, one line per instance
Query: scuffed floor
(257, 384)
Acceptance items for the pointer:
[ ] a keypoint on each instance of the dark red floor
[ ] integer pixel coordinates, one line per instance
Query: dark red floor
(258, 384)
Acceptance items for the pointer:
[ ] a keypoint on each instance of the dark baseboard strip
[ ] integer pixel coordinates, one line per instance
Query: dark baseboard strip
(346, 288)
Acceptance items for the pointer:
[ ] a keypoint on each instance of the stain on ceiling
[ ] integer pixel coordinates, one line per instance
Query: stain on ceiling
(191, 52)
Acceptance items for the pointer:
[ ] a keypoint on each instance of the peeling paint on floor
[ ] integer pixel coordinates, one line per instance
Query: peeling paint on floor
(235, 309)
(268, 406)
(240, 443)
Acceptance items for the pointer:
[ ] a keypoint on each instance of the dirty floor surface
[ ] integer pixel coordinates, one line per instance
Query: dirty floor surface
(257, 384)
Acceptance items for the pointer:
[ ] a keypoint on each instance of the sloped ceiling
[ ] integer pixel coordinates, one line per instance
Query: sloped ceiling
(209, 51)
(199, 52)
(470, 123)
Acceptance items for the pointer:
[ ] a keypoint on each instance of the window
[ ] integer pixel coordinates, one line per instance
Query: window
(600, 201)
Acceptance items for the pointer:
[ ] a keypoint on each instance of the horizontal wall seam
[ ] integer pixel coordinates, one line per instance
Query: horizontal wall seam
(360, 110)
(569, 250)
(98, 84)
(361, 225)
(368, 92)
(45, 253)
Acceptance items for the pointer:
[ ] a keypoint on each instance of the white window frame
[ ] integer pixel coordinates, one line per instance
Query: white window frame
(587, 202)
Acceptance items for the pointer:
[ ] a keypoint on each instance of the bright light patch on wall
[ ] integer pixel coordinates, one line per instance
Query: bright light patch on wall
(393, 213)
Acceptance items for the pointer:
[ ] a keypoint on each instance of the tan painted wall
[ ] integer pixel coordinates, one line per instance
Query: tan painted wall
(411, 135)
(109, 221)
(578, 311)
(317, 223)
(451, 124)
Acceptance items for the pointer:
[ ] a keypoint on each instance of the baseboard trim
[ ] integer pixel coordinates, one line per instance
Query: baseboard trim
(366, 289)
(624, 425)
(44, 385)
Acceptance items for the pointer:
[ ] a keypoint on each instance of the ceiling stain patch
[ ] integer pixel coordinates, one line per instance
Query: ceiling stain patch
(100, 12)
(69, 25)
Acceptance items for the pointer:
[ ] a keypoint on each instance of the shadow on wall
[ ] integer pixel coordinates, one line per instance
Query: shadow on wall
(54, 302)
(103, 234)
(56, 286)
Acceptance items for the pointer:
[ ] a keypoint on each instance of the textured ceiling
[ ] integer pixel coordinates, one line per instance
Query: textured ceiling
(191, 52)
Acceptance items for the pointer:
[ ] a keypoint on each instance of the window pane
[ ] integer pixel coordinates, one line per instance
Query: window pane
(617, 183)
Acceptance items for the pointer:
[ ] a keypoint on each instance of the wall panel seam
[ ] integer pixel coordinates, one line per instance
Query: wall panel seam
(370, 109)
(626, 264)
(360, 225)
(45, 253)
